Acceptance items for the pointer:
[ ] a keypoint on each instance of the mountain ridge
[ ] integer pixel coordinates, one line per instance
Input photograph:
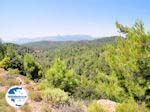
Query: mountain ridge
(77, 37)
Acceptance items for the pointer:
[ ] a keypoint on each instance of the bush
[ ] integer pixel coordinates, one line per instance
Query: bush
(60, 77)
(4, 63)
(55, 96)
(32, 68)
(16, 62)
(87, 89)
(13, 71)
(44, 85)
(95, 107)
(130, 106)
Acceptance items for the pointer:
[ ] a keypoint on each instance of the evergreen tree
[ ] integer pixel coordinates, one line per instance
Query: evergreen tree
(60, 77)
(32, 68)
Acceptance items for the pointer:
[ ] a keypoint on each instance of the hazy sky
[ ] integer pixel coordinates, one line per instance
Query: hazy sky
(36, 18)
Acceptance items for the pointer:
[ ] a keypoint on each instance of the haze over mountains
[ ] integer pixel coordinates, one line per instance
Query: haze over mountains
(53, 38)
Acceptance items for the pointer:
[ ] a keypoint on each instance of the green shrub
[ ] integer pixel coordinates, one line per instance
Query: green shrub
(130, 106)
(5, 62)
(32, 68)
(44, 84)
(95, 107)
(60, 77)
(13, 71)
(87, 89)
(55, 96)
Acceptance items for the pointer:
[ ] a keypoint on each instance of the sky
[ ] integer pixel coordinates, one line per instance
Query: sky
(39, 18)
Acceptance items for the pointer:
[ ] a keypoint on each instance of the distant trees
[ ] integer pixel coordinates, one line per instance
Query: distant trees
(11, 59)
(2, 50)
(16, 61)
(32, 68)
(26, 64)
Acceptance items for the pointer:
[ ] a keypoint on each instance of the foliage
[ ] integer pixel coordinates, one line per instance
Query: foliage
(130, 106)
(10, 52)
(17, 63)
(2, 50)
(60, 77)
(32, 68)
(12, 59)
(87, 89)
(13, 71)
(4, 63)
(108, 86)
(124, 58)
(55, 96)
(95, 107)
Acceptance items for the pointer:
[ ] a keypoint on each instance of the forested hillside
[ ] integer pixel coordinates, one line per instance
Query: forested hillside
(66, 73)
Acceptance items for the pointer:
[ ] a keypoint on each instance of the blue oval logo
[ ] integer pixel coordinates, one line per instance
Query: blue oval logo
(16, 96)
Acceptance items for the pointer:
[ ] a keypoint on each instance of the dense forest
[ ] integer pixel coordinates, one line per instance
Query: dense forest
(114, 68)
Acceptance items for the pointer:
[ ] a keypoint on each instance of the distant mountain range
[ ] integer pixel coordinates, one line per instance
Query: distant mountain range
(54, 38)
(45, 45)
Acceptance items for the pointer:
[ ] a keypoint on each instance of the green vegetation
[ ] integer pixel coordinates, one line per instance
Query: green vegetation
(60, 77)
(13, 71)
(32, 68)
(55, 96)
(130, 106)
(114, 68)
(2, 51)
(5, 62)
(95, 107)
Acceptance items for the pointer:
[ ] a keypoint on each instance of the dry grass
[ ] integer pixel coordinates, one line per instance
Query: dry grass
(26, 108)
(35, 96)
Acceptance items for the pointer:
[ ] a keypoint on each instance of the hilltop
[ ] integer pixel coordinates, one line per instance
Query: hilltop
(48, 44)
